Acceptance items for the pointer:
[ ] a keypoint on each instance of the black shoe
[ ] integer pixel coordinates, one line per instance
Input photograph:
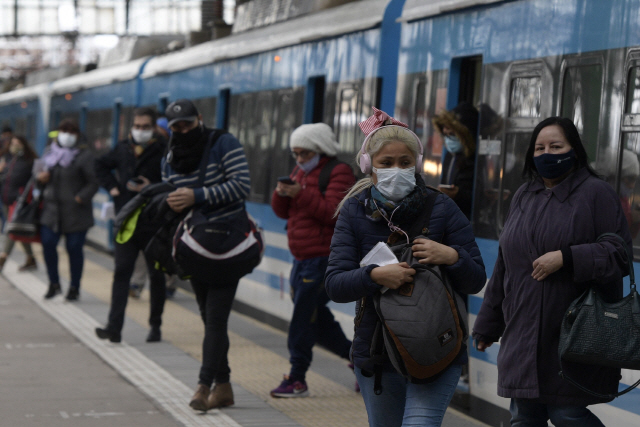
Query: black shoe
(104, 334)
(54, 289)
(154, 335)
(73, 294)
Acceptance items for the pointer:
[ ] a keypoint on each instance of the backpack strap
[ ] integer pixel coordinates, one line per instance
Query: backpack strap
(325, 173)
(213, 137)
(421, 225)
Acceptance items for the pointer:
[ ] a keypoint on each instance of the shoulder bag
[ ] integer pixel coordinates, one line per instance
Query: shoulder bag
(596, 332)
(24, 223)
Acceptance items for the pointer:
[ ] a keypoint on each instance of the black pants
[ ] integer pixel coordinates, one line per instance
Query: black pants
(214, 300)
(125, 260)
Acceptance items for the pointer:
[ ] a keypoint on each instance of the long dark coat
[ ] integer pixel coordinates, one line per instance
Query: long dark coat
(60, 211)
(526, 314)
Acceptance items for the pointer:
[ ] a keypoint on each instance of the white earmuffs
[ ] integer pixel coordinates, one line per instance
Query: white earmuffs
(365, 159)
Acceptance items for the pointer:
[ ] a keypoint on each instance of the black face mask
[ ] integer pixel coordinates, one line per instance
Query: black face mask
(185, 150)
(552, 166)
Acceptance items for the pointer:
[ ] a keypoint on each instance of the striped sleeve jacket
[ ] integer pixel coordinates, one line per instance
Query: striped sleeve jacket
(226, 183)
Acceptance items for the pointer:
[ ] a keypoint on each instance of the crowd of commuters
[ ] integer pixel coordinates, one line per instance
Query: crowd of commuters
(547, 256)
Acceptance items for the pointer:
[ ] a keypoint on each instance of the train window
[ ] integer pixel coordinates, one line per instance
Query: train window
(99, 130)
(348, 117)
(629, 190)
(525, 97)
(207, 108)
(581, 96)
(633, 91)
(418, 121)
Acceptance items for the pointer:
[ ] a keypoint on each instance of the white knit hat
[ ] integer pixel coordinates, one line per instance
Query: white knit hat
(630, 165)
(317, 137)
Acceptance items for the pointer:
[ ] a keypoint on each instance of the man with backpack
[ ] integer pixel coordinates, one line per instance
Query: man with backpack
(308, 200)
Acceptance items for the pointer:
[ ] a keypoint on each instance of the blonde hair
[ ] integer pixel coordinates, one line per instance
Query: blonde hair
(380, 138)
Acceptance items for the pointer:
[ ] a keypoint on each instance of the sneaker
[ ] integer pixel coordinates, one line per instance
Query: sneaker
(135, 291)
(29, 264)
(290, 388)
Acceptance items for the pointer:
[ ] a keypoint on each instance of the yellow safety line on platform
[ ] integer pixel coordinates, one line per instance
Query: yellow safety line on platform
(253, 367)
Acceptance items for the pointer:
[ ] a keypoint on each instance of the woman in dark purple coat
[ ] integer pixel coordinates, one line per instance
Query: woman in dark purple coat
(547, 258)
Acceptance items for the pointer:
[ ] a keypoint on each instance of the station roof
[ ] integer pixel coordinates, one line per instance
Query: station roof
(351, 17)
(416, 9)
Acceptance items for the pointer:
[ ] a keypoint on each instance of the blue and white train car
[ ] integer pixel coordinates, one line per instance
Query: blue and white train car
(523, 61)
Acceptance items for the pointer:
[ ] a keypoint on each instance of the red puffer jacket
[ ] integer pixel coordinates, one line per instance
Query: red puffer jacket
(310, 213)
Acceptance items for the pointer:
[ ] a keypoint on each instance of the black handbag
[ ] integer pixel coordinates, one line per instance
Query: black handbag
(25, 221)
(595, 332)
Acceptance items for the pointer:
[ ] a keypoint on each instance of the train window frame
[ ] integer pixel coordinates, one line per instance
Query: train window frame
(338, 114)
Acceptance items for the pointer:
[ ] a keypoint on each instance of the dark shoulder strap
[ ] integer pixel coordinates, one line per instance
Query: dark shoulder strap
(421, 225)
(325, 173)
(213, 137)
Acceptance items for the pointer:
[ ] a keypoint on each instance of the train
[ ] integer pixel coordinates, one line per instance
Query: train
(519, 61)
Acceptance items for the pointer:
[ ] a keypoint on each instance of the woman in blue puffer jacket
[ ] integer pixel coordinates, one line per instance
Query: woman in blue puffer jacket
(390, 199)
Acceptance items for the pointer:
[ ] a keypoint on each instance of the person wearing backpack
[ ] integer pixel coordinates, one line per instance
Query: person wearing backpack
(220, 196)
(381, 206)
(307, 202)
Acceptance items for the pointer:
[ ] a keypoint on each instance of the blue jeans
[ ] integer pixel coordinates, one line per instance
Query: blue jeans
(529, 413)
(312, 321)
(74, 243)
(402, 403)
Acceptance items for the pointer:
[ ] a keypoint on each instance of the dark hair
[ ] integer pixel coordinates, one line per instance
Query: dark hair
(146, 111)
(69, 125)
(29, 153)
(6, 129)
(570, 132)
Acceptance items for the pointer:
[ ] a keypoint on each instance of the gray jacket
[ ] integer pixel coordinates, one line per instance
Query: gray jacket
(60, 211)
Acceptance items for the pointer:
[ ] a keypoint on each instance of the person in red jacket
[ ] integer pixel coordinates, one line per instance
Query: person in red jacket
(309, 212)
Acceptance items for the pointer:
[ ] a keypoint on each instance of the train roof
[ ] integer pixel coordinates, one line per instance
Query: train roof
(416, 9)
(22, 94)
(98, 77)
(351, 17)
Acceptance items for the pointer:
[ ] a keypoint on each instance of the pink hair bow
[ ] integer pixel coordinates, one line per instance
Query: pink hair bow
(377, 120)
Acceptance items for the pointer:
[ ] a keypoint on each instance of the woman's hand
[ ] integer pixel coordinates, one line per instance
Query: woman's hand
(547, 264)
(286, 190)
(393, 276)
(430, 252)
(482, 345)
(181, 199)
(43, 177)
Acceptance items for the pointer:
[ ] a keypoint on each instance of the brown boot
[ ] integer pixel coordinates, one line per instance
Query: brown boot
(29, 264)
(221, 396)
(199, 399)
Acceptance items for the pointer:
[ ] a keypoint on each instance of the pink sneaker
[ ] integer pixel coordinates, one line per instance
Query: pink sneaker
(290, 388)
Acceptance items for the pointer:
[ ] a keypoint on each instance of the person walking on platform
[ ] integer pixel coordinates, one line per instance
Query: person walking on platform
(548, 256)
(136, 163)
(69, 184)
(226, 186)
(17, 173)
(308, 205)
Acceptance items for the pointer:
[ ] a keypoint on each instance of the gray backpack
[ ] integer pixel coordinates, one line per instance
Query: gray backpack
(423, 324)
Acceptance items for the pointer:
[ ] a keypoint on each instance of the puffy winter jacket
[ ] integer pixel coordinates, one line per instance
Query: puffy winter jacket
(310, 214)
(355, 235)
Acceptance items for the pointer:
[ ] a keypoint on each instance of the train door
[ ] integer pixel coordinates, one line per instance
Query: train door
(347, 116)
(314, 100)
(222, 109)
(628, 160)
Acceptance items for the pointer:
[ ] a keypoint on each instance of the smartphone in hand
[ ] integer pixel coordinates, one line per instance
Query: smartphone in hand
(446, 185)
(286, 180)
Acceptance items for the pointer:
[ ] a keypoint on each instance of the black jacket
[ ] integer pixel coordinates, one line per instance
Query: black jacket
(17, 175)
(458, 170)
(124, 163)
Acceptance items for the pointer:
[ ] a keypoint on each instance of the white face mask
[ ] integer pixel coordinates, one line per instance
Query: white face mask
(395, 183)
(141, 136)
(67, 140)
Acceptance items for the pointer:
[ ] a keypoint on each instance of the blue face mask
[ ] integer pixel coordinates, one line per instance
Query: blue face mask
(552, 166)
(453, 144)
(310, 164)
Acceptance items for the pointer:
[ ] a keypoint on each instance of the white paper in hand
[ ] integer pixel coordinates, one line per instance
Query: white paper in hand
(380, 254)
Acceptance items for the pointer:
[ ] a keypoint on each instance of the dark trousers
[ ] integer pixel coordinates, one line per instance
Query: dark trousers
(214, 301)
(74, 243)
(125, 260)
(529, 413)
(312, 321)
